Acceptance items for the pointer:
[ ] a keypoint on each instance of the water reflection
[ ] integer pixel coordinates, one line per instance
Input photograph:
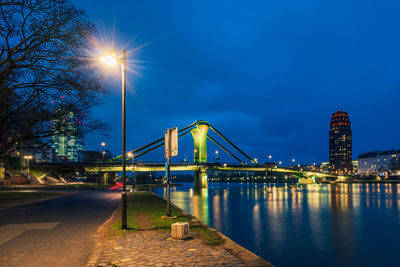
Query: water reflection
(329, 225)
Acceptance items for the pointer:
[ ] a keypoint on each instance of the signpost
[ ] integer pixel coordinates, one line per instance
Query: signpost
(171, 150)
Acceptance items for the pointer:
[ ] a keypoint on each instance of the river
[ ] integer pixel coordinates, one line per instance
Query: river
(313, 225)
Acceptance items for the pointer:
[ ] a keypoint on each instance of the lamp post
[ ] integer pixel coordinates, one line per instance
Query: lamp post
(216, 155)
(270, 157)
(111, 60)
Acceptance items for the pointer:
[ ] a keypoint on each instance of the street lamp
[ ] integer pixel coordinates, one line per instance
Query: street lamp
(27, 157)
(111, 59)
(280, 162)
(103, 144)
(270, 157)
(216, 155)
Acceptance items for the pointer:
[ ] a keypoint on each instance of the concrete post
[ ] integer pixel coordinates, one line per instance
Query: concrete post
(106, 177)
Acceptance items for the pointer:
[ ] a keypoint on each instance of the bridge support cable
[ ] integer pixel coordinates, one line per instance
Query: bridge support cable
(225, 149)
(232, 144)
(153, 143)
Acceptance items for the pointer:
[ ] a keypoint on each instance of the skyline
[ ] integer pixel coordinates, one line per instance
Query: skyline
(286, 77)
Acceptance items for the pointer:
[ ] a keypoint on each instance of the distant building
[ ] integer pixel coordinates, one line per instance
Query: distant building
(355, 166)
(340, 144)
(324, 167)
(379, 163)
(40, 152)
(68, 134)
(95, 156)
(88, 156)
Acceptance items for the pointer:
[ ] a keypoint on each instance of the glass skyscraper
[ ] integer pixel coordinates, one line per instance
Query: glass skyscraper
(340, 144)
(68, 135)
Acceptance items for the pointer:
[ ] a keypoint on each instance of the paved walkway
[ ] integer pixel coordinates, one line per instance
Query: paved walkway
(156, 248)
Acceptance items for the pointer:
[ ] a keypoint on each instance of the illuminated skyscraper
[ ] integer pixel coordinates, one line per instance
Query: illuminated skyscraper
(68, 137)
(340, 144)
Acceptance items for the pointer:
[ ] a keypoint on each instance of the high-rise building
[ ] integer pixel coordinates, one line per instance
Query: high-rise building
(68, 134)
(340, 144)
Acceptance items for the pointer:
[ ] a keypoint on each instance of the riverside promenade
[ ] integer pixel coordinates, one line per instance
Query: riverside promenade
(148, 241)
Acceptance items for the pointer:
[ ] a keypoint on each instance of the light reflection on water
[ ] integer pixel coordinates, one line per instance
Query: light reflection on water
(313, 225)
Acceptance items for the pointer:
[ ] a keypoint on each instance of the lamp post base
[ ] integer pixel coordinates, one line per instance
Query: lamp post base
(124, 220)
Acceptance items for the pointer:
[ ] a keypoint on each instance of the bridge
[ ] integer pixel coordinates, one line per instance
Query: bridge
(200, 133)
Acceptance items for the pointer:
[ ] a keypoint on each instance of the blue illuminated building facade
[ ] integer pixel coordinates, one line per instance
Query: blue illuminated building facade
(68, 140)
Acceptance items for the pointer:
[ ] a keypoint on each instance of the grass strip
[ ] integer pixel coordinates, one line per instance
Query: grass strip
(146, 211)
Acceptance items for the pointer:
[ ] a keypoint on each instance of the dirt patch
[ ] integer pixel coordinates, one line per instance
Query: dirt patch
(144, 222)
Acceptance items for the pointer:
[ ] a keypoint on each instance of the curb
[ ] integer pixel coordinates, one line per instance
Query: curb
(99, 237)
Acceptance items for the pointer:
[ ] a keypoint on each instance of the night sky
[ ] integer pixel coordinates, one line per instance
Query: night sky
(267, 74)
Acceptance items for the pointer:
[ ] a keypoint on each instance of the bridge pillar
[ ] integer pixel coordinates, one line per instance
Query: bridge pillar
(200, 178)
(111, 178)
(104, 178)
(200, 142)
(306, 180)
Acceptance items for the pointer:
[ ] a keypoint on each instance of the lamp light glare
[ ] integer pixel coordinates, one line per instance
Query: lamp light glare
(109, 60)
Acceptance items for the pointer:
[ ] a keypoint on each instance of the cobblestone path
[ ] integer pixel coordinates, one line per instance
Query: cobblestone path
(156, 248)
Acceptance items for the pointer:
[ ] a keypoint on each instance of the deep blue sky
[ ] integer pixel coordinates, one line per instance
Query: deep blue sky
(268, 74)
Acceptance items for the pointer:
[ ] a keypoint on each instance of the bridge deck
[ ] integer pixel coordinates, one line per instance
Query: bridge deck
(151, 167)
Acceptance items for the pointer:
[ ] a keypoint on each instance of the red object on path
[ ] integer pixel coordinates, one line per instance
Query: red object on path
(117, 185)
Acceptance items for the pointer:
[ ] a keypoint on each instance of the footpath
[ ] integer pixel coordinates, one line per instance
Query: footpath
(148, 242)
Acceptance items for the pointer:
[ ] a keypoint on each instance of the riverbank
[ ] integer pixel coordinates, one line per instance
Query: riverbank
(147, 241)
(364, 182)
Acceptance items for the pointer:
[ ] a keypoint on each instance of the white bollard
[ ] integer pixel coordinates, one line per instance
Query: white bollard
(180, 230)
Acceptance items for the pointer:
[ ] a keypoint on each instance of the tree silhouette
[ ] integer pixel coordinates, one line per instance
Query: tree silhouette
(44, 48)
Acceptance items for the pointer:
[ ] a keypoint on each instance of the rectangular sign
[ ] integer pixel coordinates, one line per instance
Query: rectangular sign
(171, 142)
(167, 144)
(174, 141)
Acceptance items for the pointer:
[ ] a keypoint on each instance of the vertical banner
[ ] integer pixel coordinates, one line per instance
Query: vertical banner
(171, 142)
(167, 142)
(174, 142)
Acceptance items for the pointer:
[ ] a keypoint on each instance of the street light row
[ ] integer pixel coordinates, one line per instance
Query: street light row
(256, 159)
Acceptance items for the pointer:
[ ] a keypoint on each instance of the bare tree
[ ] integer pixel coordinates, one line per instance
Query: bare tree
(44, 47)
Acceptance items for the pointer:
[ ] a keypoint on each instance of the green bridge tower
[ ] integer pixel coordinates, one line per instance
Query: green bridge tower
(199, 134)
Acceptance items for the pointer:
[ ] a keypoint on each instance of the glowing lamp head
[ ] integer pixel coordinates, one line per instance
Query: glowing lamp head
(130, 154)
(109, 59)
(103, 144)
